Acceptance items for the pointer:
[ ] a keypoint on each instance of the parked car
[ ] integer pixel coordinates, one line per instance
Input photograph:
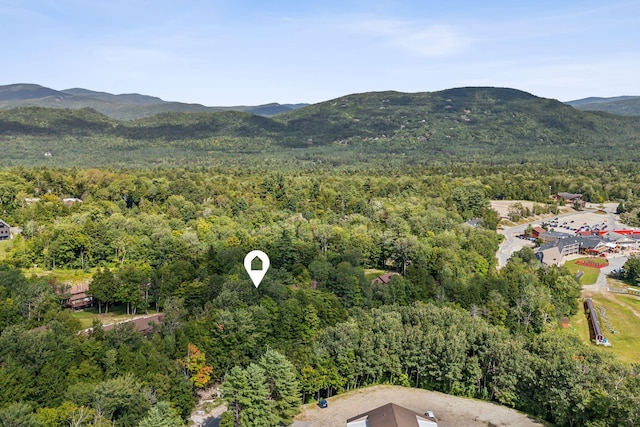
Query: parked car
(323, 403)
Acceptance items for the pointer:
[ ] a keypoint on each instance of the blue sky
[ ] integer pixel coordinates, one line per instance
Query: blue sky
(232, 52)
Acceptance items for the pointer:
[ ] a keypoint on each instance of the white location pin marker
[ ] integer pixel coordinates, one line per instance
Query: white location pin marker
(256, 275)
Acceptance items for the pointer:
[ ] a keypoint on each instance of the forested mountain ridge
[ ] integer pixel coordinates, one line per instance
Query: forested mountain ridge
(622, 105)
(493, 125)
(481, 115)
(122, 107)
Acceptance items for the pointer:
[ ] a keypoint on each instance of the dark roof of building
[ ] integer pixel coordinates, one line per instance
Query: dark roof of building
(556, 235)
(391, 415)
(590, 242)
(567, 242)
(385, 278)
(546, 246)
(585, 242)
(570, 196)
(475, 222)
(588, 233)
(617, 237)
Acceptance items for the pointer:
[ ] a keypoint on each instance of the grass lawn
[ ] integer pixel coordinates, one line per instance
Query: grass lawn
(372, 273)
(4, 248)
(590, 273)
(578, 324)
(623, 313)
(61, 275)
(116, 314)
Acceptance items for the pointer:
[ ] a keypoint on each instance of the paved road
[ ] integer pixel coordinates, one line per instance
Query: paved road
(615, 262)
(511, 243)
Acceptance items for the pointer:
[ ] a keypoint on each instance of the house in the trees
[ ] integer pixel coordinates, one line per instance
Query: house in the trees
(5, 231)
(392, 415)
(474, 223)
(570, 199)
(384, 279)
(78, 297)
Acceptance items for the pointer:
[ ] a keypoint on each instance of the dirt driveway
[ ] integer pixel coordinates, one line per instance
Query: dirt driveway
(451, 411)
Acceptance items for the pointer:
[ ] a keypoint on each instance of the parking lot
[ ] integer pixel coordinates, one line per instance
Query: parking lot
(592, 215)
(593, 218)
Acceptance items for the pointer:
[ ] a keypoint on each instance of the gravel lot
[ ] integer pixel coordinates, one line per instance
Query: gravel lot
(451, 411)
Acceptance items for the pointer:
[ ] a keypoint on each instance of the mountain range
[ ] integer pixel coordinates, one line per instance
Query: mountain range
(120, 107)
(135, 106)
(622, 105)
(472, 124)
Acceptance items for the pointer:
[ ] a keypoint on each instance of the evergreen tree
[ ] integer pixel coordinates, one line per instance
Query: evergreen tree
(161, 415)
(283, 386)
(246, 392)
(18, 415)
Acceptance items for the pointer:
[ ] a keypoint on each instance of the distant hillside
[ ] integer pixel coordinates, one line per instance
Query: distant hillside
(475, 116)
(129, 98)
(487, 125)
(621, 105)
(18, 92)
(121, 107)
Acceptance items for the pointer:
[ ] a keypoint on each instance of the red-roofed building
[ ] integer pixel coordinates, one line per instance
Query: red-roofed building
(537, 231)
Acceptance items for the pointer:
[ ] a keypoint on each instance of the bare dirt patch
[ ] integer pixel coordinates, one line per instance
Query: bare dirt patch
(502, 206)
(451, 411)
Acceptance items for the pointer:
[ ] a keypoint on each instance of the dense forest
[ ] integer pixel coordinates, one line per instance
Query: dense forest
(173, 240)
